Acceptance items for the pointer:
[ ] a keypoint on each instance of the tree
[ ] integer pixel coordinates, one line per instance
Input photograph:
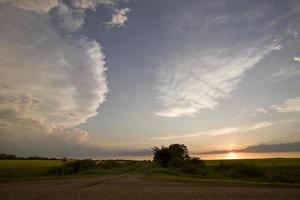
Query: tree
(173, 155)
(177, 156)
(7, 156)
(161, 156)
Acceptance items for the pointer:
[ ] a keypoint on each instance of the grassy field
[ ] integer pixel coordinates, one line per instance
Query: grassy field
(26, 168)
(264, 170)
(269, 162)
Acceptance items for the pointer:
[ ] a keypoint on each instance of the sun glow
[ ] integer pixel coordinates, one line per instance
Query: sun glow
(231, 155)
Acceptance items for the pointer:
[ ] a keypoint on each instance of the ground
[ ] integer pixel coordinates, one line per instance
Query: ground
(135, 187)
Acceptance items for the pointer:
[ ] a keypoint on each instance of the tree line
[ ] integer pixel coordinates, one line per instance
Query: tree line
(4, 156)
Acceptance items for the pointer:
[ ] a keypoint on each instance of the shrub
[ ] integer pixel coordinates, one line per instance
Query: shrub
(109, 164)
(73, 167)
(80, 165)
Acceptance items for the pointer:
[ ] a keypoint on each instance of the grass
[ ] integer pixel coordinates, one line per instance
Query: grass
(28, 163)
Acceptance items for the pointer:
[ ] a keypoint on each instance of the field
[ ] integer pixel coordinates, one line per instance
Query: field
(256, 170)
(110, 179)
(26, 168)
(270, 162)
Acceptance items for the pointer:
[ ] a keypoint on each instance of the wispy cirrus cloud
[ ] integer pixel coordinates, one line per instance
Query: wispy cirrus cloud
(215, 55)
(287, 72)
(225, 130)
(191, 83)
(297, 59)
(261, 110)
(213, 132)
(289, 105)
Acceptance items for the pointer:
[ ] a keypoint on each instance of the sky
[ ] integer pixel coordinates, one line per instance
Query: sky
(92, 78)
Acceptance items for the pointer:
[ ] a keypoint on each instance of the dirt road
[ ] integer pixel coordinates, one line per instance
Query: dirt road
(132, 187)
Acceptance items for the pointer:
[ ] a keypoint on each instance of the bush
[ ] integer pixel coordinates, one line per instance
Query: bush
(80, 165)
(109, 164)
(73, 167)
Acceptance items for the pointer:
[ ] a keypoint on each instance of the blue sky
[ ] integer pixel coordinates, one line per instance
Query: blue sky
(93, 77)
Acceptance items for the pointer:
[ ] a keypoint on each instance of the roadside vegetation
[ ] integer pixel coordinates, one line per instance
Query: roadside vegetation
(169, 163)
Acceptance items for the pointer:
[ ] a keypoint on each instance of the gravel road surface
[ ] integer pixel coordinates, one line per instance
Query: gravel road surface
(133, 187)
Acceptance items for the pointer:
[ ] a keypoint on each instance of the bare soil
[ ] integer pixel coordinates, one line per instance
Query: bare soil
(133, 187)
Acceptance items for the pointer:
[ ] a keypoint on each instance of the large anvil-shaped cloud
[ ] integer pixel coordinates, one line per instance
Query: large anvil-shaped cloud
(50, 83)
(67, 77)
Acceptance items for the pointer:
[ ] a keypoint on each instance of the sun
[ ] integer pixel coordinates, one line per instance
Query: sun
(231, 155)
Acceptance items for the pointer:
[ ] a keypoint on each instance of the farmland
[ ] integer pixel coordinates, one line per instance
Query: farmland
(126, 179)
(270, 162)
(256, 170)
(26, 168)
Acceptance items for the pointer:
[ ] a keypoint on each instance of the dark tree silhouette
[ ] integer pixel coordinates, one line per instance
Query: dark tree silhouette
(161, 155)
(177, 156)
(7, 156)
(173, 155)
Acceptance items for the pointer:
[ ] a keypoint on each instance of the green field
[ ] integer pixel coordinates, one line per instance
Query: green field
(284, 170)
(26, 168)
(268, 162)
(254, 170)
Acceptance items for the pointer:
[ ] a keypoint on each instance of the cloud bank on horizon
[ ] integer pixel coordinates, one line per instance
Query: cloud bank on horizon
(263, 148)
